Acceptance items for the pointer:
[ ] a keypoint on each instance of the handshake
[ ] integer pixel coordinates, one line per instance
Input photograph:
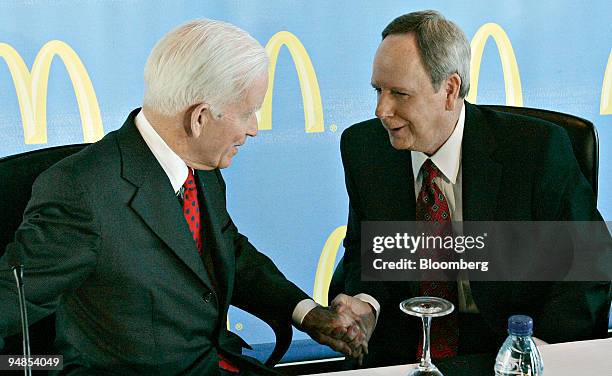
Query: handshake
(345, 326)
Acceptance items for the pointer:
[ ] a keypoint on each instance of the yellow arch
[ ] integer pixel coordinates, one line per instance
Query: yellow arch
(311, 95)
(605, 107)
(31, 90)
(512, 79)
(325, 268)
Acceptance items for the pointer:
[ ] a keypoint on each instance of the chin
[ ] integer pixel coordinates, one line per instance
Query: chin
(224, 163)
(399, 144)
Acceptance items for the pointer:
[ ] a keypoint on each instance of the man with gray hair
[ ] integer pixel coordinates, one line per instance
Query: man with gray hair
(129, 241)
(429, 155)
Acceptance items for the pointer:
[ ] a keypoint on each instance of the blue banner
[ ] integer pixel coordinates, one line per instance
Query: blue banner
(72, 70)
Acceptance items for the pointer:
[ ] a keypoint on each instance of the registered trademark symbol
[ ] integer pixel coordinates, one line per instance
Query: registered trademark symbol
(333, 127)
(239, 326)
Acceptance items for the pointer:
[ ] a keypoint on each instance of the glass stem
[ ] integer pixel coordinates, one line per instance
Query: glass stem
(426, 357)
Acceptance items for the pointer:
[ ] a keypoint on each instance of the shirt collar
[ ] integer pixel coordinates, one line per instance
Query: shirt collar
(448, 157)
(174, 167)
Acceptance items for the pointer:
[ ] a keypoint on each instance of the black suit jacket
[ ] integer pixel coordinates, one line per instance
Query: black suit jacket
(515, 168)
(107, 248)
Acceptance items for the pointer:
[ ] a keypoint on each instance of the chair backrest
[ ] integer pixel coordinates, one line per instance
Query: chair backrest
(582, 134)
(18, 173)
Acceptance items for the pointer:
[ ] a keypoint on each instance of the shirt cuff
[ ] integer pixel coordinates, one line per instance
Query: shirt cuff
(373, 302)
(301, 310)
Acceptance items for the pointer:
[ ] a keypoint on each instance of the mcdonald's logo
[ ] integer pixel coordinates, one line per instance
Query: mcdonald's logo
(512, 79)
(325, 268)
(605, 108)
(31, 89)
(309, 86)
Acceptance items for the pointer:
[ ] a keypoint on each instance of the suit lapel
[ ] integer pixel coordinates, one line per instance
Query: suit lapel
(154, 200)
(481, 173)
(390, 182)
(214, 213)
(401, 180)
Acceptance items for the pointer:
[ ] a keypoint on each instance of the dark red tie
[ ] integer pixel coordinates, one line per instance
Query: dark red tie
(432, 206)
(191, 211)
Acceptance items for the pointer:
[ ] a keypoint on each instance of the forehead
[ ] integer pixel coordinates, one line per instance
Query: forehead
(397, 62)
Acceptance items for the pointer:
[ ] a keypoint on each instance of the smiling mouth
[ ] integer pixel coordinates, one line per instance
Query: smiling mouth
(393, 129)
(396, 129)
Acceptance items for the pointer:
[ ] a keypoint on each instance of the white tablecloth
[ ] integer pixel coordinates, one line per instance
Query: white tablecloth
(584, 358)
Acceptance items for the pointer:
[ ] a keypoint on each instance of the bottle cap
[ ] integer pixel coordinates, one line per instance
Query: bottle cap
(520, 325)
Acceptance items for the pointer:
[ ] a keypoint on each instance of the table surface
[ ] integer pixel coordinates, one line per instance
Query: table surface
(561, 359)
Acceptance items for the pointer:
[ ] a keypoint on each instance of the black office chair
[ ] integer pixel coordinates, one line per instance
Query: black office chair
(585, 143)
(18, 173)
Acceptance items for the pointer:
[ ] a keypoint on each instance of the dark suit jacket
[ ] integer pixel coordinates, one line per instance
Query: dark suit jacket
(107, 248)
(515, 168)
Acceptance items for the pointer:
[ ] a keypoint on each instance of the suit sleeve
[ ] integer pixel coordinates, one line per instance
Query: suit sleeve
(353, 284)
(572, 310)
(56, 243)
(260, 287)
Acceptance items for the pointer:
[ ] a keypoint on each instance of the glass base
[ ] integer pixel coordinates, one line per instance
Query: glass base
(427, 306)
(431, 370)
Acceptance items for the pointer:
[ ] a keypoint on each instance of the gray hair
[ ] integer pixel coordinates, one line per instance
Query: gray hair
(443, 47)
(202, 61)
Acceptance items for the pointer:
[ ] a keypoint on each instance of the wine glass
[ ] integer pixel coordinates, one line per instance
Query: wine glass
(426, 307)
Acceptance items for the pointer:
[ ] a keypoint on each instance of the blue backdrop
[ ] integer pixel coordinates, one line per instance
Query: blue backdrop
(286, 189)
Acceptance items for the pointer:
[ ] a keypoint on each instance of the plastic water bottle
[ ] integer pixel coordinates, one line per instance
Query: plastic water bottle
(519, 354)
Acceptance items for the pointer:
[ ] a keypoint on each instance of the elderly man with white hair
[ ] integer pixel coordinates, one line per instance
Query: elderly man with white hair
(129, 241)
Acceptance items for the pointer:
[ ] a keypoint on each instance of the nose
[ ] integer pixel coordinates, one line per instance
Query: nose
(384, 106)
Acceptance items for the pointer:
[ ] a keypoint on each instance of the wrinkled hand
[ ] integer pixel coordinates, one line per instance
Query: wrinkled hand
(361, 313)
(340, 331)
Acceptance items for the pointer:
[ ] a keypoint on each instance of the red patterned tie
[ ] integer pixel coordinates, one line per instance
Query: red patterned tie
(191, 211)
(432, 206)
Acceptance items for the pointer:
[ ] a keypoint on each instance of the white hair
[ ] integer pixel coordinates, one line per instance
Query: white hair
(202, 61)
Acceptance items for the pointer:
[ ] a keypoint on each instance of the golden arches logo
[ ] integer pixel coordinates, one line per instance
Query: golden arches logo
(31, 89)
(605, 107)
(311, 95)
(325, 268)
(512, 79)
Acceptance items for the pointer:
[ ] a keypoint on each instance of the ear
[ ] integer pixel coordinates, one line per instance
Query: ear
(198, 119)
(452, 86)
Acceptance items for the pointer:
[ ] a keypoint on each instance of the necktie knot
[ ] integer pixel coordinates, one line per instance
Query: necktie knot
(430, 171)
(189, 184)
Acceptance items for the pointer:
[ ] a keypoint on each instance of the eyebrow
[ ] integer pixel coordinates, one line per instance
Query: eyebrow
(393, 88)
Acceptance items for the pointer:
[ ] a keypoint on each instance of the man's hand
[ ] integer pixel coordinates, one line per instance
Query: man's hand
(340, 331)
(361, 313)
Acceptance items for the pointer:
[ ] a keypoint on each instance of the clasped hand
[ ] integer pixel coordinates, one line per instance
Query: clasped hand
(345, 326)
